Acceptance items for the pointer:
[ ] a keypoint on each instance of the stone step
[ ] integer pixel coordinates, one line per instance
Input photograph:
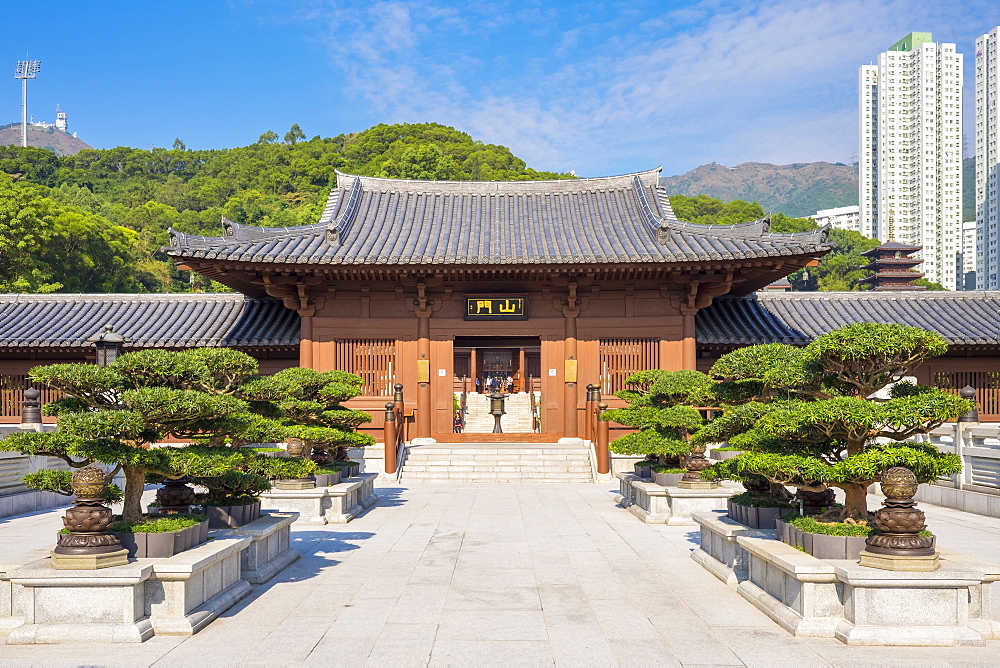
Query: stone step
(411, 468)
(497, 479)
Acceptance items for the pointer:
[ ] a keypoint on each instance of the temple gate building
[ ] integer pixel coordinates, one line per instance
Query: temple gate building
(544, 286)
(552, 284)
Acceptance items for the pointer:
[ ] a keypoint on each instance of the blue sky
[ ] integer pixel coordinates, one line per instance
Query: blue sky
(599, 88)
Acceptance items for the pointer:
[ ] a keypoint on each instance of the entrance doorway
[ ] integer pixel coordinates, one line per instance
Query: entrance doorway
(511, 364)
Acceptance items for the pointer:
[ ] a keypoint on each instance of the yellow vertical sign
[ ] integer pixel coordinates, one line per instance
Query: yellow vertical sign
(423, 371)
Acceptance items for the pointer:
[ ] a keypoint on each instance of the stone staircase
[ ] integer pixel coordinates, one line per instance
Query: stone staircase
(517, 420)
(497, 462)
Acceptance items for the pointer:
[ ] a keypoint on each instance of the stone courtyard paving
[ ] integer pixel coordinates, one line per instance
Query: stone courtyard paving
(517, 575)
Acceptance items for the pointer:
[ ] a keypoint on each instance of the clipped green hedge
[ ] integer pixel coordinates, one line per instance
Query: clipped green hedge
(759, 500)
(809, 524)
(158, 524)
(663, 468)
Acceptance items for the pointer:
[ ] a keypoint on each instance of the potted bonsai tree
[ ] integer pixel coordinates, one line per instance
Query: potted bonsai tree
(662, 407)
(309, 405)
(810, 418)
(117, 414)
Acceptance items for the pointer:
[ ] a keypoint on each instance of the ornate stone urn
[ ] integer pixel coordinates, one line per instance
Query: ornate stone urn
(88, 545)
(295, 447)
(175, 496)
(814, 501)
(696, 463)
(898, 544)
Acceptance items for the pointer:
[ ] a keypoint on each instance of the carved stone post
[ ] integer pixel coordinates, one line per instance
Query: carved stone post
(898, 545)
(31, 408)
(88, 545)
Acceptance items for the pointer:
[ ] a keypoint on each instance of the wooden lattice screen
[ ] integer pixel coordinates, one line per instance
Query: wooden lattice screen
(620, 358)
(12, 389)
(372, 359)
(987, 384)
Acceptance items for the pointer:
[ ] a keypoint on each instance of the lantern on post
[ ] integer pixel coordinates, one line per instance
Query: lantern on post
(108, 345)
(496, 410)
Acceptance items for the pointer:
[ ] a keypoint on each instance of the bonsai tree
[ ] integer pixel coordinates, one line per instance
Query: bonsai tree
(115, 414)
(308, 403)
(810, 417)
(661, 407)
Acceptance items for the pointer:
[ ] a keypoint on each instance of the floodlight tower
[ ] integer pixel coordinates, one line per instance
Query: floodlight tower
(26, 69)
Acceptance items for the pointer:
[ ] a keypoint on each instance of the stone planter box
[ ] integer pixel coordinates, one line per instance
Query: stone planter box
(644, 472)
(667, 479)
(656, 504)
(327, 479)
(179, 595)
(270, 550)
(715, 453)
(337, 504)
(753, 516)
(821, 546)
(163, 545)
(837, 598)
(223, 517)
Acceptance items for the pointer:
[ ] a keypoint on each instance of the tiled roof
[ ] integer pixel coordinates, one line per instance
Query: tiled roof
(146, 321)
(962, 318)
(610, 220)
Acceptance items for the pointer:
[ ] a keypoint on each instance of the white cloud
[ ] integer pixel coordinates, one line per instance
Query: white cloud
(572, 88)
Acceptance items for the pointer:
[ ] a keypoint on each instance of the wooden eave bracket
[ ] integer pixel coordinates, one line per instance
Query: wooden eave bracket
(298, 293)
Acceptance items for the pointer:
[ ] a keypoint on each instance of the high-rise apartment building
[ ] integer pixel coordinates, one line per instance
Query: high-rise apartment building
(988, 160)
(841, 218)
(910, 152)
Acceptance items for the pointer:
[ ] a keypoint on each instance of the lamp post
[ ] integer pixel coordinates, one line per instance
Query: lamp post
(496, 410)
(969, 392)
(26, 69)
(108, 345)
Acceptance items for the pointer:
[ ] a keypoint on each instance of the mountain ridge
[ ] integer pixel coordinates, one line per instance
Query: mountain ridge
(57, 141)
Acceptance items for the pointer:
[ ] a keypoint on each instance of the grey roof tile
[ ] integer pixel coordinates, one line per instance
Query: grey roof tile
(610, 220)
(147, 321)
(962, 318)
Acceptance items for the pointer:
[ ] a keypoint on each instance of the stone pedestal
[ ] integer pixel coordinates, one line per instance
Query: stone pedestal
(190, 589)
(896, 562)
(123, 604)
(105, 606)
(270, 550)
(656, 504)
(839, 598)
(88, 562)
(337, 504)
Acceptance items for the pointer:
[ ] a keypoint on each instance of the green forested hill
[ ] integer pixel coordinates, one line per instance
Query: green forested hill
(109, 210)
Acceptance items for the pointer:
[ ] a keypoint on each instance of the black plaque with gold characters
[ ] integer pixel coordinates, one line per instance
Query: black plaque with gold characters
(496, 307)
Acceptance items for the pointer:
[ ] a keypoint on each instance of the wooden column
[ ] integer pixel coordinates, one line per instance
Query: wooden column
(520, 369)
(472, 369)
(424, 408)
(306, 341)
(689, 349)
(570, 391)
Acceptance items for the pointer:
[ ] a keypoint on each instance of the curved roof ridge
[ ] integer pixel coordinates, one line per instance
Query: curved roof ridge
(649, 177)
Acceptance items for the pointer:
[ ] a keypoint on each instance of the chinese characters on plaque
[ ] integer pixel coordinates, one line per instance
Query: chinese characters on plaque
(496, 307)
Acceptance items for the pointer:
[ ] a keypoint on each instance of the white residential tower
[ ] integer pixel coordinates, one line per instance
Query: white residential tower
(910, 153)
(988, 160)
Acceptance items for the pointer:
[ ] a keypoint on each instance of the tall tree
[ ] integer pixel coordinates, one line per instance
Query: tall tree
(810, 417)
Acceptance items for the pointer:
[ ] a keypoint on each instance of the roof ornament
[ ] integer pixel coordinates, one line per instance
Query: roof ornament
(342, 224)
(229, 227)
(765, 224)
(892, 227)
(654, 222)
